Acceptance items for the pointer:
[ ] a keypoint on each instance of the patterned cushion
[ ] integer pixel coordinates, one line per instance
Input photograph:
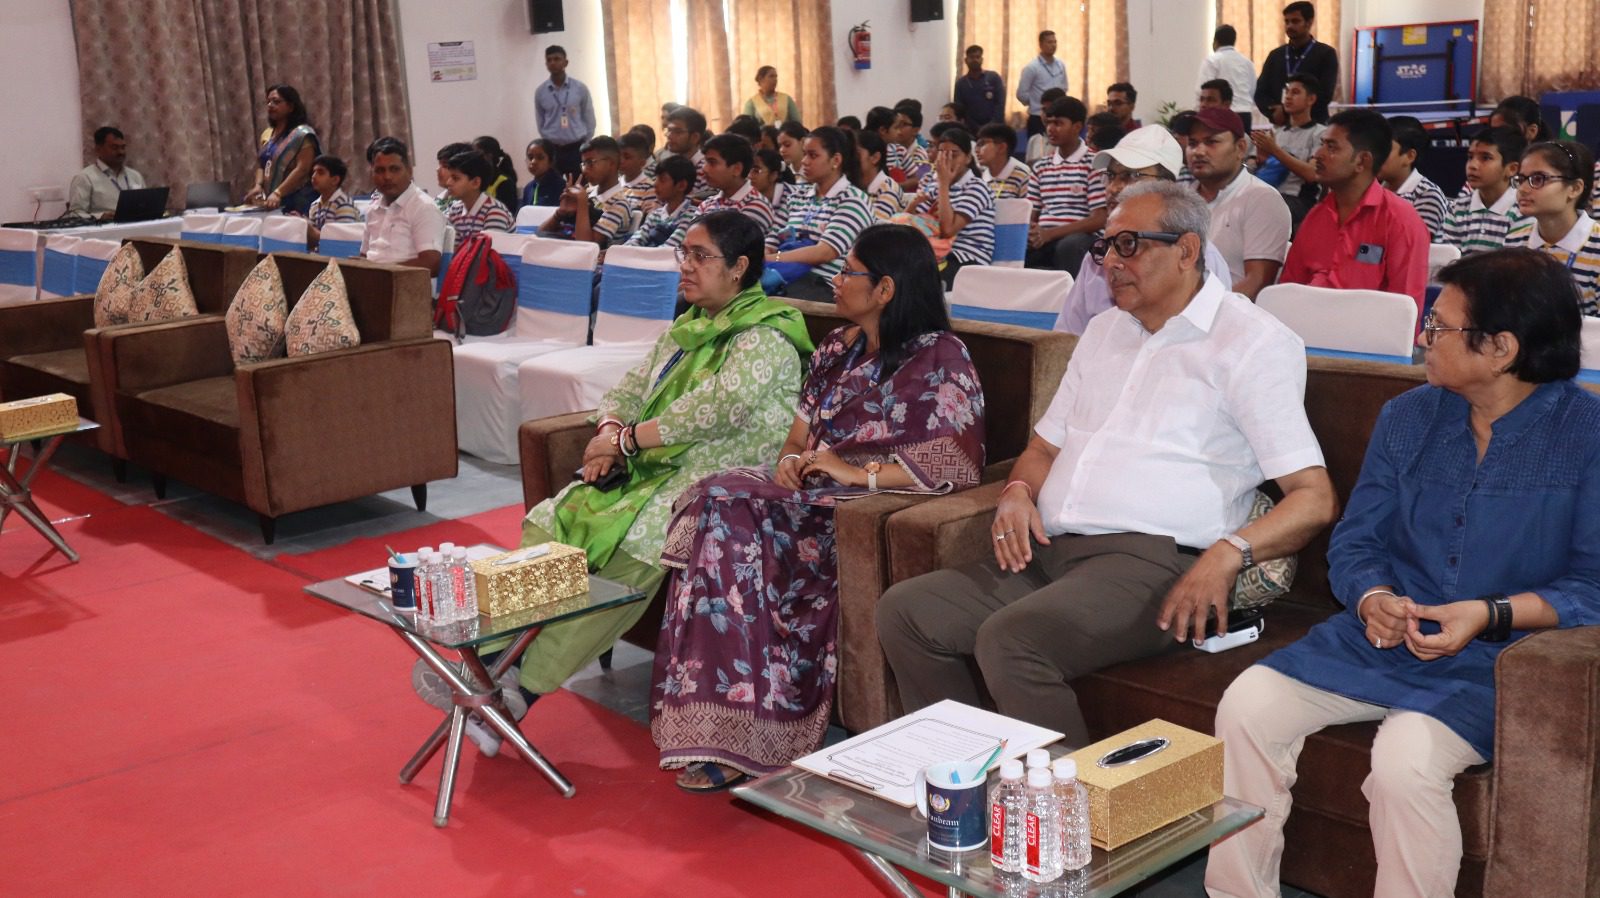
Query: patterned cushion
(117, 285)
(257, 317)
(164, 293)
(321, 320)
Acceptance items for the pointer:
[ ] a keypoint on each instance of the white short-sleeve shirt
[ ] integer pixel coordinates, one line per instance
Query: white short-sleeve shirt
(1170, 433)
(405, 228)
(1249, 220)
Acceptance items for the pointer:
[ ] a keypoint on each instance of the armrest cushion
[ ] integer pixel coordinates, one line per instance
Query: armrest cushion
(44, 326)
(1545, 829)
(344, 424)
(160, 355)
(943, 533)
(551, 449)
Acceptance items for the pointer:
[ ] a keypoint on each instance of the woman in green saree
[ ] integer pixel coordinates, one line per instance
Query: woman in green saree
(283, 161)
(717, 391)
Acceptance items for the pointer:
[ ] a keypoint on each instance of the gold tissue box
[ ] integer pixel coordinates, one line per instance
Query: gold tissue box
(1154, 788)
(528, 577)
(41, 414)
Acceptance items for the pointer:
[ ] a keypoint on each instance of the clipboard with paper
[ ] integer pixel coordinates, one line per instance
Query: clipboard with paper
(885, 761)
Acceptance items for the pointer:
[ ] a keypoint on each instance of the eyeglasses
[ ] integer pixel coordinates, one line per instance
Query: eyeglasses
(1126, 243)
(699, 256)
(1431, 329)
(847, 273)
(1127, 175)
(1537, 180)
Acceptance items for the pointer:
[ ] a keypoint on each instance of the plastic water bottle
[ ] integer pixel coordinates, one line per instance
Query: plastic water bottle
(1041, 860)
(1075, 848)
(466, 586)
(1038, 757)
(1005, 819)
(424, 587)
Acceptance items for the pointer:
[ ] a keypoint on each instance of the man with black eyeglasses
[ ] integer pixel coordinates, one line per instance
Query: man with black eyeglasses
(1128, 518)
(1148, 154)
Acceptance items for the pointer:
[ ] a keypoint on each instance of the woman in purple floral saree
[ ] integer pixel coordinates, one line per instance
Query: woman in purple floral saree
(744, 669)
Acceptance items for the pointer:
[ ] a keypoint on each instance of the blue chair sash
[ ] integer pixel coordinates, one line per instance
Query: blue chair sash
(18, 267)
(1037, 320)
(563, 291)
(638, 293)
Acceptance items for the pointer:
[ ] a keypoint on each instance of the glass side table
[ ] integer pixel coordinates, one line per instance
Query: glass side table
(17, 495)
(473, 685)
(892, 837)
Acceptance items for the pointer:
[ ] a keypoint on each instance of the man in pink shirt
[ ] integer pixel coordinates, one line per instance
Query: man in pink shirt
(1359, 236)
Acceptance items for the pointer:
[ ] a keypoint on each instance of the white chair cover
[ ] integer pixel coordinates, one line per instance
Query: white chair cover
(89, 264)
(60, 261)
(1011, 218)
(341, 239)
(529, 218)
(1590, 359)
(204, 227)
(284, 234)
(19, 265)
(1022, 296)
(1369, 324)
(638, 294)
(1440, 255)
(242, 230)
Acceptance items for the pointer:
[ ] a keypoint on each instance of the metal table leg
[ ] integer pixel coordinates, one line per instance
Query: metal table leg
(16, 494)
(897, 880)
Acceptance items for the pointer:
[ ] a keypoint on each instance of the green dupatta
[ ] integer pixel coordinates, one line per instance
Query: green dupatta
(598, 520)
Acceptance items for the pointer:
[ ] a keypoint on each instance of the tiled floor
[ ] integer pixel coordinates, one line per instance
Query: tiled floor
(479, 487)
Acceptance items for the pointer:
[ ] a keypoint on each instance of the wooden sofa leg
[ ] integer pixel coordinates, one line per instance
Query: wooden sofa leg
(159, 482)
(119, 469)
(269, 528)
(419, 495)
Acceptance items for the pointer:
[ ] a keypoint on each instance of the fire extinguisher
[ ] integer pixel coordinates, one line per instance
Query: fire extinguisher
(860, 41)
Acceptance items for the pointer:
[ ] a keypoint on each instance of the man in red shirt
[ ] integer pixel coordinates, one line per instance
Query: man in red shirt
(1359, 236)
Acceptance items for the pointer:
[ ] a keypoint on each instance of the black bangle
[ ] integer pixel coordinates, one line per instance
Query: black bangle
(1499, 626)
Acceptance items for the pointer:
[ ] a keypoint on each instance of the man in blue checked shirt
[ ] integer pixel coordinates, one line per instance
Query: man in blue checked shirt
(564, 110)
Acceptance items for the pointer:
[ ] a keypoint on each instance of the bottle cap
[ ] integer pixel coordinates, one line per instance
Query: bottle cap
(1039, 777)
(1064, 768)
(1038, 757)
(460, 553)
(424, 552)
(446, 548)
(1011, 770)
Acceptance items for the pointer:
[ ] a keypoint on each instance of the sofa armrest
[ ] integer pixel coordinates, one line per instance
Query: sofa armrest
(340, 425)
(44, 326)
(160, 355)
(551, 449)
(943, 533)
(1544, 836)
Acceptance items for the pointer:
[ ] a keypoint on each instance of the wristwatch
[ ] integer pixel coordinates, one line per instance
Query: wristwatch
(872, 468)
(1243, 545)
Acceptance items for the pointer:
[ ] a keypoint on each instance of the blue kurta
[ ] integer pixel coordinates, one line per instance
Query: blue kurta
(1430, 519)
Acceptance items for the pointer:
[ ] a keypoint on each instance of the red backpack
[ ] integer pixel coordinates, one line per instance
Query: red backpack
(478, 293)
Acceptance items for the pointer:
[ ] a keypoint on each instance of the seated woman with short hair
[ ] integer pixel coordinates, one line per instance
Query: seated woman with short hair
(744, 670)
(1476, 521)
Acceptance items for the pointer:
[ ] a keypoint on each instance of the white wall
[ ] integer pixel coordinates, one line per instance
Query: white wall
(1167, 41)
(40, 113)
(916, 60)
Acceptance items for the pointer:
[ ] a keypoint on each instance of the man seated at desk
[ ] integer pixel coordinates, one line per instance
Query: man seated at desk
(404, 227)
(94, 191)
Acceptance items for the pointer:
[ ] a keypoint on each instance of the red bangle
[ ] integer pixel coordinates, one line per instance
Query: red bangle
(1013, 483)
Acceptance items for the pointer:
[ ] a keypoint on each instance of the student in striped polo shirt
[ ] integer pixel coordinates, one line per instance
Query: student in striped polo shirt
(1553, 187)
(601, 214)
(1478, 221)
(1072, 197)
(905, 153)
(473, 210)
(666, 224)
(1007, 177)
(822, 217)
(727, 169)
(962, 205)
(887, 198)
(686, 129)
(637, 170)
(1400, 174)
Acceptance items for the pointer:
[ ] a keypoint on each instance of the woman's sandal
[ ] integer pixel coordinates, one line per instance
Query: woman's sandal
(717, 777)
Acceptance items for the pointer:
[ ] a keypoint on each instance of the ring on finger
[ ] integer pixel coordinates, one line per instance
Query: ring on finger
(1378, 642)
(1001, 536)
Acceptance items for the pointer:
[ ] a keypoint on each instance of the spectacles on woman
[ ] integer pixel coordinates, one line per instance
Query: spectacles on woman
(847, 273)
(1126, 243)
(699, 256)
(1537, 180)
(1431, 329)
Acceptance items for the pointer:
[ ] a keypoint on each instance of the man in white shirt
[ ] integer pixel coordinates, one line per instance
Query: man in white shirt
(1229, 64)
(1249, 220)
(94, 191)
(404, 227)
(1039, 75)
(1126, 520)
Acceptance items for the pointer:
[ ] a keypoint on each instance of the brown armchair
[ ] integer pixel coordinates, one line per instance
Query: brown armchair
(291, 434)
(1529, 821)
(50, 346)
(1019, 368)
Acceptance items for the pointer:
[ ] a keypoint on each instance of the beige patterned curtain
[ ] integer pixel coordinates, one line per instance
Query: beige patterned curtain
(640, 75)
(794, 37)
(1092, 37)
(1260, 27)
(709, 88)
(186, 80)
(1530, 48)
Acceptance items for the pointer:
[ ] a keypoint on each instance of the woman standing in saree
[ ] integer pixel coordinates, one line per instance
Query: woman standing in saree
(288, 147)
(716, 392)
(744, 669)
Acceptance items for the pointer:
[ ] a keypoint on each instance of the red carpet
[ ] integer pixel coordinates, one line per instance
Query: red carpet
(182, 720)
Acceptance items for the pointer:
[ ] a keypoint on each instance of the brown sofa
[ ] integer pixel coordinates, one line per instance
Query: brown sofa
(1019, 369)
(50, 346)
(1529, 821)
(295, 433)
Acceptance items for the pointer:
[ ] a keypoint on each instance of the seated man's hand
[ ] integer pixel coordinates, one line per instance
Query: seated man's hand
(1385, 615)
(1203, 588)
(1459, 623)
(1015, 519)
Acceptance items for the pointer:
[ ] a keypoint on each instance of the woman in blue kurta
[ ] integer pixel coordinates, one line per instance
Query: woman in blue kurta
(1475, 521)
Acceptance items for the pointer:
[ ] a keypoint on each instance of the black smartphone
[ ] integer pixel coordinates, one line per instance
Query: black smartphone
(610, 480)
(1237, 620)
